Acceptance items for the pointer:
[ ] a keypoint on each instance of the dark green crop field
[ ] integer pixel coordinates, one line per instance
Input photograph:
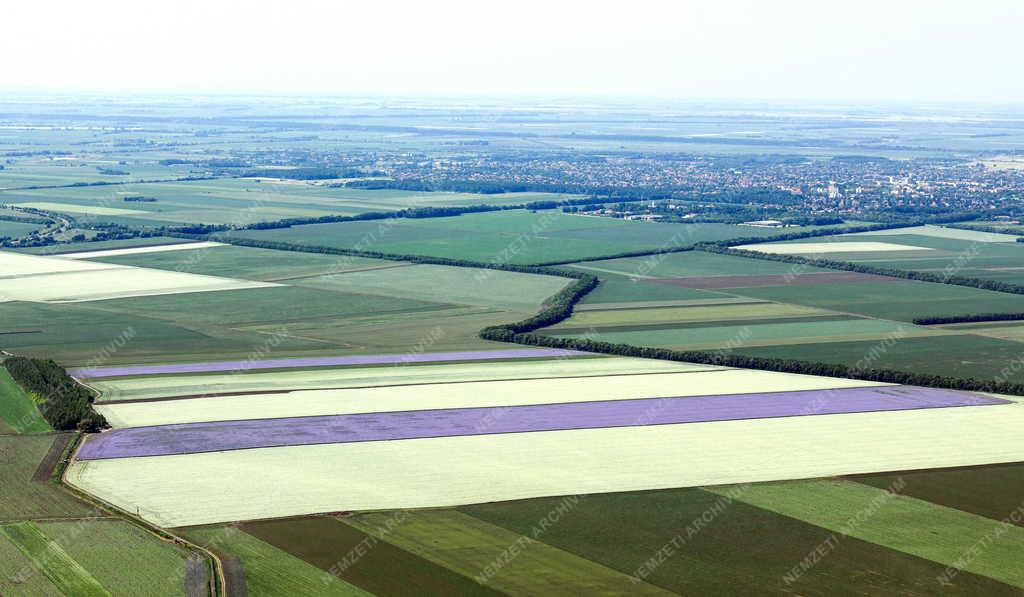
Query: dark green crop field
(992, 491)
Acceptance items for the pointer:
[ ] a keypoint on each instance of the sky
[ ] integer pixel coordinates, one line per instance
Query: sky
(900, 50)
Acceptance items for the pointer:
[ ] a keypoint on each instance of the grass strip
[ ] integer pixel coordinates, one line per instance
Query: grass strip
(67, 574)
(17, 410)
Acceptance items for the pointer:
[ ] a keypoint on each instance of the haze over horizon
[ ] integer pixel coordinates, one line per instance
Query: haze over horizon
(930, 52)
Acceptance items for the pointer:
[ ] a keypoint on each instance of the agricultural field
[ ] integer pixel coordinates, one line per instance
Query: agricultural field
(509, 465)
(142, 250)
(47, 172)
(990, 491)
(241, 201)
(93, 211)
(25, 491)
(18, 412)
(97, 557)
(127, 560)
(601, 543)
(372, 312)
(246, 262)
(439, 283)
(266, 570)
(934, 249)
(740, 549)
(750, 333)
(777, 310)
(963, 355)
(52, 543)
(1004, 226)
(728, 276)
(73, 248)
(33, 278)
(817, 248)
(519, 237)
(508, 417)
(695, 380)
(16, 229)
(114, 388)
(907, 524)
(303, 422)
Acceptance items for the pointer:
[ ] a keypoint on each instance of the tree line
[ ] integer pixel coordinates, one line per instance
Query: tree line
(412, 212)
(769, 364)
(969, 318)
(308, 173)
(561, 307)
(849, 266)
(287, 246)
(995, 229)
(66, 404)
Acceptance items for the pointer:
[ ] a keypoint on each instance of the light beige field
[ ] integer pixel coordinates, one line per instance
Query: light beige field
(13, 265)
(140, 250)
(288, 481)
(944, 232)
(1004, 163)
(60, 280)
(162, 386)
(835, 247)
(121, 282)
(71, 208)
(464, 395)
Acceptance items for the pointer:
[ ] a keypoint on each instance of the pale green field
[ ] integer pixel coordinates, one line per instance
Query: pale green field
(700, 382)
(755, 333)
(944, 232)
(124, 243)
(70, 280)
(241, 200)
(289, 481)
(1004, 332)
(248, 262)
(817, 248)
(16, 229)
(184, 246)
(160, 386)
(120, 282)
(934, 532)
(445, 284)
(94, 210)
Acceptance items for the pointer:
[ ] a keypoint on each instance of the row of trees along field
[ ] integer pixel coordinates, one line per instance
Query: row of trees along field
(65, 404)
(850, 266)
(560, 308)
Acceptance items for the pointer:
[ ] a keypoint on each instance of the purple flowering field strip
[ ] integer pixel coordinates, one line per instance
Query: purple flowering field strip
(263, 433)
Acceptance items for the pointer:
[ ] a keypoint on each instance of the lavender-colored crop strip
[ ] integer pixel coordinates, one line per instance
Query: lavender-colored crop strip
(264, 433)
(379, 359)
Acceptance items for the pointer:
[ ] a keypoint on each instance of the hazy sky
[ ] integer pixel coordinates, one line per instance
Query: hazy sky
(934, 50)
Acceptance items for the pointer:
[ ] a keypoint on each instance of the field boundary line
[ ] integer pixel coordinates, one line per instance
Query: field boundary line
(218, 584)
(559, 307)
(400, 385)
